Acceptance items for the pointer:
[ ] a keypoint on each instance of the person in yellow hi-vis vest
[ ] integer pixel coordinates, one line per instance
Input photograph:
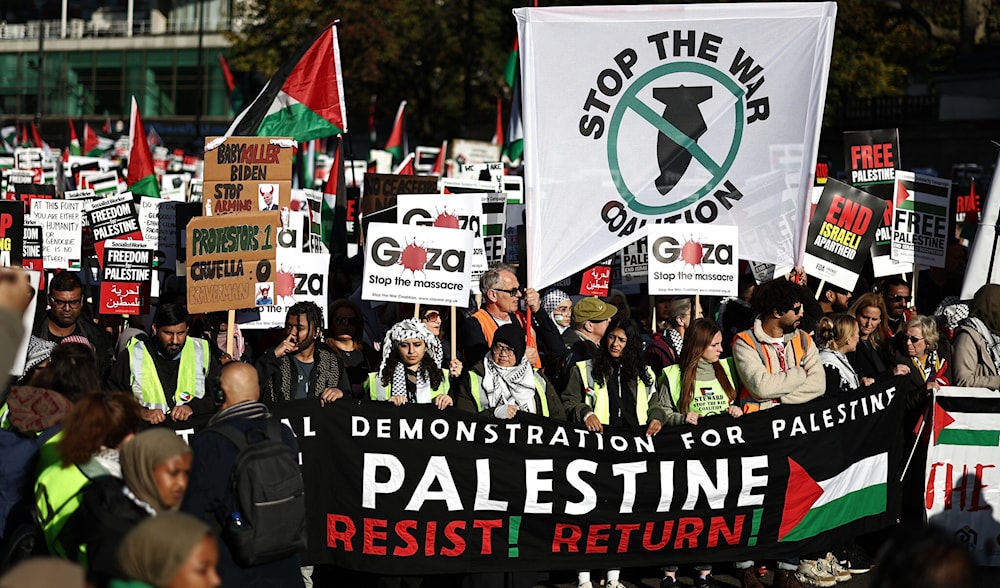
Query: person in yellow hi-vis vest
(171, 372)
(615, 389)
(411, 368)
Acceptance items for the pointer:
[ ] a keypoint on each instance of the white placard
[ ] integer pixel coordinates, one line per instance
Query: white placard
(920, 219)
(634, 260)
(693, 259)
(300, 277)
(61, 222)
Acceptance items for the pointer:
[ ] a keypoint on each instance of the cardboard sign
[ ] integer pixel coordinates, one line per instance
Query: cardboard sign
(300, 277)
(429, 265)
(62, 222)
(634, 260)
(841, 234)
(113, 217)
(11, 233)
(230, 261)
(693, 259)
(246, 174)
(920, 219)
(126, 273)
(381, 190)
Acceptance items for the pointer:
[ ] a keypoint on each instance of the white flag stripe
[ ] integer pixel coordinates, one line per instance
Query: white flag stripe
(867, 472)
(974, 421)
(964, 392)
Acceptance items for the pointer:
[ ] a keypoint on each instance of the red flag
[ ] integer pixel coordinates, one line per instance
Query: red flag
(438, 169)
(227, 75)
(25, 141)
(35, 136)
(498, 136)
(107, 126)
(141, 177)
(395, 143)
(334, 179)
(406, 167)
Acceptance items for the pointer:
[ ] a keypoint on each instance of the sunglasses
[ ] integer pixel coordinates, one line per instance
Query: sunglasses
(432, 315)
(346, 320)
(500, 350)
(796, 309)
(514, 292)
(900, 298)
(914, 340)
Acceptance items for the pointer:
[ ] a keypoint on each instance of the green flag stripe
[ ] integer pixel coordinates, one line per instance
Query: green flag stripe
(974, 437)
(492, 230)
(147, 186)
(299, 121)
(856, 505)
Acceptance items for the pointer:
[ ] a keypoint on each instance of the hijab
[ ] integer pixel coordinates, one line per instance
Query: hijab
(143, 453)
(509, 385)
(157, 547)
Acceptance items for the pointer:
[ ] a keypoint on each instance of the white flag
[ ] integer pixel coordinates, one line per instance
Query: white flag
(983, 267)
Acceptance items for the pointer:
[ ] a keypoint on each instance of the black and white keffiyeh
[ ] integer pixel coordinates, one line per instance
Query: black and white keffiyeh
(509, 385)
(848, 377)
(411, 328)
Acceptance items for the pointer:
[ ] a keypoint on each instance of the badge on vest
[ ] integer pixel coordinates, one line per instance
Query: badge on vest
(185, 397)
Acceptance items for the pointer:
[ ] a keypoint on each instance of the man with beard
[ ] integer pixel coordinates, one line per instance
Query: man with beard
(170, 372)
(778, 364)
(896, 293)
(834, 299)
(65, 317)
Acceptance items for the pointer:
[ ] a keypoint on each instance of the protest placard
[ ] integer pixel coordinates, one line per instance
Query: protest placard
(596, 280)
(11, 233)
(379, 201)
(300, 277)
(112, 217)
(102, 183)
(230, 261)
(449, 211)
(26, 193)
(61, 222)
(159, 217)
(494, 224)
(84, 194)
(871, 159)
(693, 259)
(31, 250)
(634, 260)
(246, 174)
(126, 274)
(920, 219)
(491, 172)
(841, 233)
(426, 265)
(14, 178)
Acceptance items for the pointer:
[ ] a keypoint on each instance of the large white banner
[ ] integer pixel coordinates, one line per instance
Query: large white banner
(962, 479)
(645, 114)
(983, 267)
(405, 263)
(693, 259)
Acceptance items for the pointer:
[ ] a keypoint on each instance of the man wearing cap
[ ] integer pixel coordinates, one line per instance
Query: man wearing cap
(502, 294)
(591, 317)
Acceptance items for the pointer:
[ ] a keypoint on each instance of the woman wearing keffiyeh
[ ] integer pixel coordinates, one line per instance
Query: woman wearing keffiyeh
(411, 367)
(505, 383)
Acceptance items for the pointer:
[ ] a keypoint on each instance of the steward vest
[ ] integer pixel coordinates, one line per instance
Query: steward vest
(58, 495)
(709, 396)
(800, 346)
(596, 396)
(376, 391)
(479, 395)
(490, 326)
(191, 372)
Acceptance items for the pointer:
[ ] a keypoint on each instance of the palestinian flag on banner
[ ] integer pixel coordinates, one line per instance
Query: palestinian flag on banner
(74, 142)
(394, 144)
(816, 506)
(141, 178)
(95, 145)
(966, 416)
(305, 98)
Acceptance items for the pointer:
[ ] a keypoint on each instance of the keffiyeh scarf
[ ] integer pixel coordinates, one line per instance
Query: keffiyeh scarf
(509, 385)
(412, 328)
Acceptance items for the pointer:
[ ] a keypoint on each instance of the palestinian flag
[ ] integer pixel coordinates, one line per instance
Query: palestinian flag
(74, 142)
(141, 178)
(813, 507)
(969, 419)
(95, 145)
(438, 169)
(235, 98)
(514, 148)
(513, 58)
(394, 144)
(405, 168)
(304, 100)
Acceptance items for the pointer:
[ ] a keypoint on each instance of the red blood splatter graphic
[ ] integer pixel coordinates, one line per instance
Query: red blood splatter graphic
(284, 283)
(692, 252)
(413, 258)
(446, 220)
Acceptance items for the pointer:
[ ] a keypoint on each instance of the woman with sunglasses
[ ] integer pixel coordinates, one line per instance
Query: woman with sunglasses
(346, 337)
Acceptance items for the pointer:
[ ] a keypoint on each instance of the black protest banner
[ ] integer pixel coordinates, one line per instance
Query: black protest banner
(379, 201)
(126, 275)
(11, 233)
(28, 192)
(416, 490)
(871, 159)
(842, 226)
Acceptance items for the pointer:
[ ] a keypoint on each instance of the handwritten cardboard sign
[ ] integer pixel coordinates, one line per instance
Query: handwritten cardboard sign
(246, 174)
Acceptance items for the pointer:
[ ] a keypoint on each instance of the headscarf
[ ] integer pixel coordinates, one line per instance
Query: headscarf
(550, 301)
(616, 292)
(986, 306)
(509, 385)
(239, 342)
(44, 571)
(143, 453)
(155, 549)
(38, 351)
(411, 328)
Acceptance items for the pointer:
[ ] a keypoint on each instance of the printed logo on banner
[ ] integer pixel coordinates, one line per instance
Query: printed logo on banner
(693, 259)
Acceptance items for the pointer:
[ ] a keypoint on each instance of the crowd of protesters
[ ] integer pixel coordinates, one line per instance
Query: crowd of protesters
(94, 480)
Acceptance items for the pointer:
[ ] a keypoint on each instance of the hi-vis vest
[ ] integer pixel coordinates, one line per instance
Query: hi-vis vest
(709, 396)
(479, 395)
(490, 327)
(800, 345)
(376, 391)
(191, 374)
(58, 495)
(596, 396)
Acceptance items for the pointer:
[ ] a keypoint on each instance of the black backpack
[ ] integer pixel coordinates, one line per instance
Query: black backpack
(268, 521)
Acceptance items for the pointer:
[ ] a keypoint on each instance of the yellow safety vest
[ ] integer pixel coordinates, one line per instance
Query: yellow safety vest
(376, 391)
(58, 495)
(191, 374)
(479, 395)
(709, 397)
(596, 396)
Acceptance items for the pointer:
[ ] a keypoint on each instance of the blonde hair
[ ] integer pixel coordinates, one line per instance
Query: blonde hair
(834, 330)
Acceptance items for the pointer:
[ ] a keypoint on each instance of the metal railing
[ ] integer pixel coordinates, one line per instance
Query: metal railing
(106, 27)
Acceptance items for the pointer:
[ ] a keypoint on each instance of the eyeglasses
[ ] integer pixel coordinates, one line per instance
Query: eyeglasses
(500, 350)
(900, 298)
(796, 309)
(914, 340)
(432, 316)
(65, 303)
(514, 292)
(346, 320)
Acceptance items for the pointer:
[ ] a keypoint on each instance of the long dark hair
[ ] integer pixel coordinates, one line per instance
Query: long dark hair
(632, 364)
(696, 340)
(434, 374)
